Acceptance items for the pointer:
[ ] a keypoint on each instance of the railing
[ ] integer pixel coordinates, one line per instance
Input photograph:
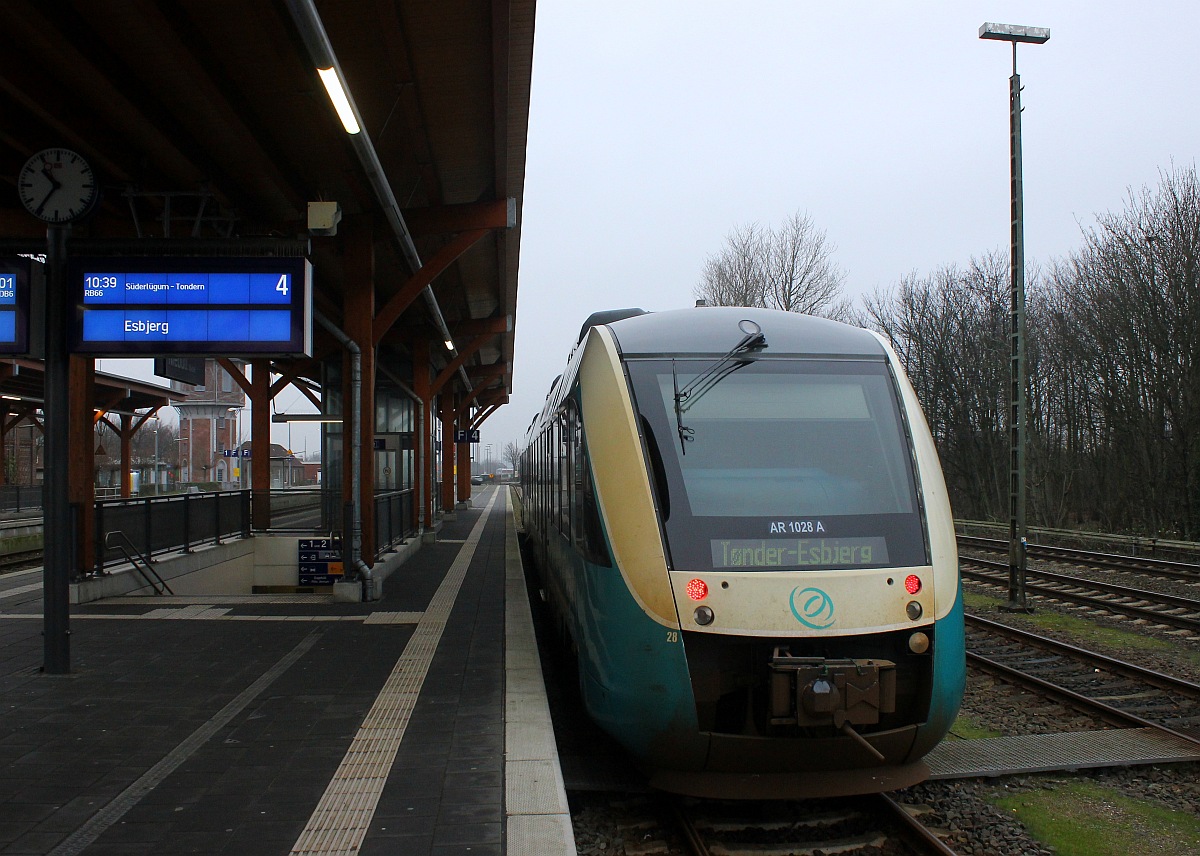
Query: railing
(393, 519)
(161, 524)
(317, 511)
(133, 556)
(168, 523)
(17, 497)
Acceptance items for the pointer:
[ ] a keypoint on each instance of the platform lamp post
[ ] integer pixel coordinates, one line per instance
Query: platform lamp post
(1016, 421)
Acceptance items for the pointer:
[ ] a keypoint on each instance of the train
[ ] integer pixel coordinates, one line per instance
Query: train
(739, 518)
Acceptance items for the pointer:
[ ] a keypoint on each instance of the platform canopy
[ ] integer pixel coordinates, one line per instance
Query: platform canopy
(207, 119)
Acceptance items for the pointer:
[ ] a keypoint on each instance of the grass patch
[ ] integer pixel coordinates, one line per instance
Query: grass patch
(1081, 818)
(1089, 631)
(965, 728)
(981, 601)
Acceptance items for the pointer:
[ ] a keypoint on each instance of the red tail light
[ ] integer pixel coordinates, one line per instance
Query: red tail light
(697, 589)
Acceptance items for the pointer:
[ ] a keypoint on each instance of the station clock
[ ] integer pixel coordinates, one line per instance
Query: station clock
(58, 186)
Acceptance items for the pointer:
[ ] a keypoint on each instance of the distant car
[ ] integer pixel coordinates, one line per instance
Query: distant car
(476, 479)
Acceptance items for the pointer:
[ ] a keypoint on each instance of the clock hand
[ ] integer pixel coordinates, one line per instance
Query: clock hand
(55, 185)
(49, 173)
(46, 199)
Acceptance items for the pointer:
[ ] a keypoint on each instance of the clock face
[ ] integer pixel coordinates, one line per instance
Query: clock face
(58, 186)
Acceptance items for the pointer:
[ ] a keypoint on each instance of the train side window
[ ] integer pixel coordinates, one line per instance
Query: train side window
(573, 427)
(563, 430)
(589, 532)
(555, 466)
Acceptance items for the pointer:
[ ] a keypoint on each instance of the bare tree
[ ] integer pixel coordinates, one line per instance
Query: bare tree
(512, 454)
(734, 277)
(1134, 293)
(789, 268)
(949, 330)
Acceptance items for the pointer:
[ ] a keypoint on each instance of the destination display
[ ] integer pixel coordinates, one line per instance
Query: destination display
(222, 306)
(755, 553)
(14, 305)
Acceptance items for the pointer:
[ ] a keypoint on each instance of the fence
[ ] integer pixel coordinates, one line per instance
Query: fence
(16, 497)
(393, 519)
(167, 523)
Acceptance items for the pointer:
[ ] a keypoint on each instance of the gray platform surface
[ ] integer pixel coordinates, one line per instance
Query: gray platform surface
(275, 725)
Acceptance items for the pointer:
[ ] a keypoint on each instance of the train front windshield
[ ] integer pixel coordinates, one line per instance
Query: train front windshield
(780, 464)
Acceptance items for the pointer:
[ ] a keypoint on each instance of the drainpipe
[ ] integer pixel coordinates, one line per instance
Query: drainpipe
(356, 561)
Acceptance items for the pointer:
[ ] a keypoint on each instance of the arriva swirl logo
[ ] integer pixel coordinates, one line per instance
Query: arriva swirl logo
(812, 608)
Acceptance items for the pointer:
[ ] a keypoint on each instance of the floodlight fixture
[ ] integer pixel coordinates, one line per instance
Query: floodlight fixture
(1014, 33)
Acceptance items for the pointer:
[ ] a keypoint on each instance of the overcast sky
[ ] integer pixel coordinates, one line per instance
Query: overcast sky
(657, 127)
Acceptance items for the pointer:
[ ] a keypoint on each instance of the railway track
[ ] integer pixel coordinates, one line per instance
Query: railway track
(1185, 571)
(20, 560)
(1150, 606)
(1113, 691)
(869, 824)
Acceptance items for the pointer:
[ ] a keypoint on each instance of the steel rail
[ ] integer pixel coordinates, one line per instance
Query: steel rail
(1112, 715)
(1136, 564)
(688, 829)
(1110, 588)
(1150, 615)
(919, 836)
(1161, 680)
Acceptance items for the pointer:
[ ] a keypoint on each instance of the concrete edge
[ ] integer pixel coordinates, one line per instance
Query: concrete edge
(541, 826)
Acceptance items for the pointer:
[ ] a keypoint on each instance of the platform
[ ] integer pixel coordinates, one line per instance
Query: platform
(416, 724)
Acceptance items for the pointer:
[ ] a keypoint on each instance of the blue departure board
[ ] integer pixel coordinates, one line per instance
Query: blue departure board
(14, 305)
(226, 306)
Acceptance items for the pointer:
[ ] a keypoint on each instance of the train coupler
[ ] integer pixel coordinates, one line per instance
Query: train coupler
(814, 691)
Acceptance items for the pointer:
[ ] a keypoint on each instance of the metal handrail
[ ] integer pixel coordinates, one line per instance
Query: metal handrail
(148, 571)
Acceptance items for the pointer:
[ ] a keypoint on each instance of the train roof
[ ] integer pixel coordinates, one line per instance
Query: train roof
(714, 330)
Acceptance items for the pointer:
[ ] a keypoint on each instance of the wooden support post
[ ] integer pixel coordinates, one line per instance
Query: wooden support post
(4, 426)
(463, 453)
(423, 442)
(260, 444)
(126, 436)
(448, 449)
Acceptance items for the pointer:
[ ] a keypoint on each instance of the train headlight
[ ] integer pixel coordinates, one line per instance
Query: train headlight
(912, 584)
(914, 610)
(697, 589)
(703, 615)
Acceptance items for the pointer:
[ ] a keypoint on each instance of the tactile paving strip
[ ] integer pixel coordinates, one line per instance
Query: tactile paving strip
(1002, 756)
(341, 819)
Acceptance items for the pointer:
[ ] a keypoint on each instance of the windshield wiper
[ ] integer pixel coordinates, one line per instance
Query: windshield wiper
(685, 433)
(735, 358)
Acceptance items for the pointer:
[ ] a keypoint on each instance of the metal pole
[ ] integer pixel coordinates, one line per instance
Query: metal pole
(57, 516)
(1017, 422)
